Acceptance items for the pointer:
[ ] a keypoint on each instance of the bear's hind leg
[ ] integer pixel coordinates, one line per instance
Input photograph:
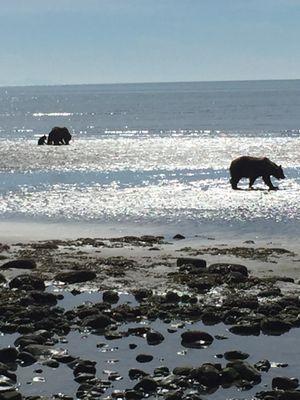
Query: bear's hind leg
(252, 179)
(234, 182)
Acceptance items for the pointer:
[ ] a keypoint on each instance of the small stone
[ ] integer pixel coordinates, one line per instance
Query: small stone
(144, 358)
(178, 236)
(235, 355)
(263, 365)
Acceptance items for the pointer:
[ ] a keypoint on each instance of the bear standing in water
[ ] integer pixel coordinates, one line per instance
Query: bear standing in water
(252, 168)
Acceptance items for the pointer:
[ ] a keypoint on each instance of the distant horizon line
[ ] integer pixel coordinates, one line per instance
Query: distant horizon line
(143, 83)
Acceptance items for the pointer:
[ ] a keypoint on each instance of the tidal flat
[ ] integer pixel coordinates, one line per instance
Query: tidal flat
(138, 317)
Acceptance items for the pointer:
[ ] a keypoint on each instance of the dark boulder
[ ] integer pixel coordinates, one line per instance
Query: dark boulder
(76, 276)
(8, 355)
(284, 383)
(196, 339)
(19, 264)
(135, 373)
(154, 338)
(147, 385)
(235, 355)
(98, 321)
(195, 262)
(110, 296)
(144, 358)
(27, 282)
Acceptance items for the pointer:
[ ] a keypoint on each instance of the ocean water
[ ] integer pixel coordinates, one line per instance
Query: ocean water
(151, 156)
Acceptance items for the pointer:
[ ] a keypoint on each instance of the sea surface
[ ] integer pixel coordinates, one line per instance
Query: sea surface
(151, 156)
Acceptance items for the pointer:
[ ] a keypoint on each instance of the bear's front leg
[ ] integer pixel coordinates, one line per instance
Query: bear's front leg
(268, 182)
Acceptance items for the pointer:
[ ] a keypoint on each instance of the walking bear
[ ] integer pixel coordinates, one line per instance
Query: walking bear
(253, 168)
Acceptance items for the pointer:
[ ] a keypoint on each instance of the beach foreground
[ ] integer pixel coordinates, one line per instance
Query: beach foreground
(144, 317)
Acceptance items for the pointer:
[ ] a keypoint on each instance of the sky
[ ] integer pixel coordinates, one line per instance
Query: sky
(122, 41)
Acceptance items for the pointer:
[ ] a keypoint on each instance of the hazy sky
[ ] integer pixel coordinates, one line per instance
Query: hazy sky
(103, 41)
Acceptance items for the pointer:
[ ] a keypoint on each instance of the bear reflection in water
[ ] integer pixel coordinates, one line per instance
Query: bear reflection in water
(253, 168)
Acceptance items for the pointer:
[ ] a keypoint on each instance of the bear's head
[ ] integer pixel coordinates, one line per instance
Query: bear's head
(278, 173)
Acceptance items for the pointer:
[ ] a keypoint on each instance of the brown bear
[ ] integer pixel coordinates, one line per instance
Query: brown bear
(252, 168)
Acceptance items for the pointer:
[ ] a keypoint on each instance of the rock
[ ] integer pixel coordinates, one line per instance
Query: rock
(135, 373)
(84, 367)
(210, 317)
(133, 395)
(245, 370)
(236, 277)
(98, 321)
(235, 355)
(290, 395)
(11, 395)
(182, 371)
(27, 282)
(263, 365)
(196, 339)
(154, 338)
(195, 262)
(178, 236)
(208, 375)
(141, 294)
(226, 268)
(147, 384)
(82, 377)
(38, 350)
(271, 292)
(44, 298)
(8, 355)
(19, 264)
(178, 395)
(284, 383)
(51, 363)
(2, 278)
(246, 329)
(75, 276)
(110, 296)
(39, 337)
(172, 297)
(161, 371)
(229, 375)
(26, 358)
(144, 358)
(275, 326)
